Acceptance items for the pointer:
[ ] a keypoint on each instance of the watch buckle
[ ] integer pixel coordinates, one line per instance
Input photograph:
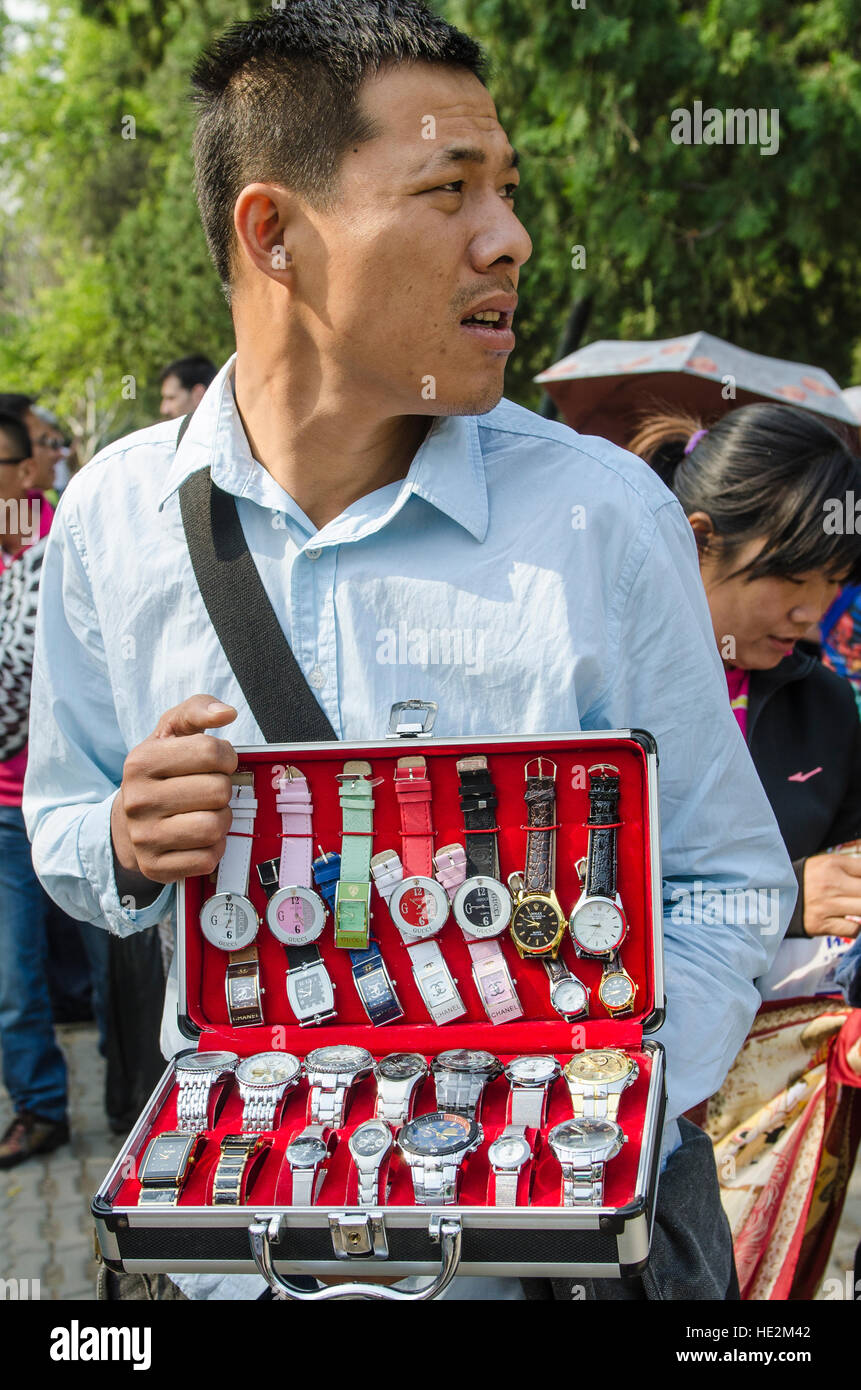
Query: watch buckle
(356, 1235)
(540, 761)
(402, 726)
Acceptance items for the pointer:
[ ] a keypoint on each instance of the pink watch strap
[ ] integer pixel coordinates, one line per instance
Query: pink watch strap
(413, 790)
(493, 981)
(293, 801)
(450, 865)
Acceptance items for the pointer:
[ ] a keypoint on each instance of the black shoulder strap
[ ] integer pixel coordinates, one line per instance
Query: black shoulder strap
(259, 654)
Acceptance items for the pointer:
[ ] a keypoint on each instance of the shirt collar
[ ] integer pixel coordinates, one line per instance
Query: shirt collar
(447, 470)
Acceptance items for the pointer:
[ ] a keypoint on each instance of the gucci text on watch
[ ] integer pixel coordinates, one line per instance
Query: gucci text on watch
(331, 1073)
(538, 922)
(596, 1080)
(229, 919)
(597, 923)
(508, 1154)
(239, 1160)
(370, 1145)
(353, 891)
(165, 1166)
(263, 1082)
(460, 1076)
(297, 922)
(531, 1079)
(583, 1147)
(435, 1146)
(198, 1075)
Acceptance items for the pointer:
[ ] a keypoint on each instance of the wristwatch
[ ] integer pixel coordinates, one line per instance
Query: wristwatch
(310, 991)
(596, 1080)
(531, 1079)
(374, 985)
(433, 978)
(398, 1077)
(229, 919)
(597, 922)
(263, 1082)
(490, 972)
(508, 1154)
(419, 907)
(307, 1155)
(617, 989)
(165, 1166)
(482, 904)
(460, 1077)
(238, 1163)
(583, 1147)
(331, 1072)
(353, 891)
(538, 922)
(197, 1074)
(435, 1146)
(568, 995)
(370, 1145)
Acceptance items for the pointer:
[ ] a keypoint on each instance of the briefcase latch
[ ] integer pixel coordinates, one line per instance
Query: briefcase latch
(358, 1234)
(412, 718)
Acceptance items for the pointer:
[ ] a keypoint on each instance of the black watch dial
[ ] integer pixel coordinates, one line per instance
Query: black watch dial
(535, 925)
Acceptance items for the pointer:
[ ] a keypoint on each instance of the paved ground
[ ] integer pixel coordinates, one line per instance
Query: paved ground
(46, 1231)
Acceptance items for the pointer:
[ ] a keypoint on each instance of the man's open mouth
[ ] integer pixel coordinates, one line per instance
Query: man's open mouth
(493, 319)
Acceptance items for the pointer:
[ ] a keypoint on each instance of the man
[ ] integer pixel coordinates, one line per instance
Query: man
(48, 444)
(364, 231)
(34, 1070)
(183, 385)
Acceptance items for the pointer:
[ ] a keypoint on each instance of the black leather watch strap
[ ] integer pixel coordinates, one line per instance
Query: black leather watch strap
(540, 797)
(478, 803)
(602, 822)
(300, 956)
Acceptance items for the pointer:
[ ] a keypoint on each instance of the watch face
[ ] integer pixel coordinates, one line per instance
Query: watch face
(374, 986)
(466, 1059)
(338, 1059)
(307, 1152)
(482, 907)
(228, 921)
(617, 990)
(165, 1158)
(586, 1136)
(296, 916)
(509, 1152)
(419, 907)
(598, 925)
(535, 925)
(532, 1070)
(569, 996)
(438, 1133)
(309, 990)
(370, 1139)
(400, 1066)
(208, 1061)
(438, 988)
(599, 1066)
(243, 990)
(268, 1069)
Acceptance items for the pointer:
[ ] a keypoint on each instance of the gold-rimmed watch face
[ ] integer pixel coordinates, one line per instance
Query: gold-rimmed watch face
(537, 925)
(616, 991)
(599, 1066)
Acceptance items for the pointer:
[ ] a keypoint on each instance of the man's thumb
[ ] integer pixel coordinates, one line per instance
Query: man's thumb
(194, 716)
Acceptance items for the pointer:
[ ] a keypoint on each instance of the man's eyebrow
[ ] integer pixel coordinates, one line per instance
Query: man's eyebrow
(464, 154)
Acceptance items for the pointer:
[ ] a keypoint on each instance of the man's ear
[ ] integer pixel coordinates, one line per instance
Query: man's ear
(27, 472)
(703, 529)
(261, 217)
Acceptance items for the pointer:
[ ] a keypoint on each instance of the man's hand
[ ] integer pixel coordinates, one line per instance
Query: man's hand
(832, 894)
(171, 816)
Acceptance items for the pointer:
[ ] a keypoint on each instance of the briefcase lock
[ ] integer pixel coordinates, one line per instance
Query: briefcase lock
(358, 1234)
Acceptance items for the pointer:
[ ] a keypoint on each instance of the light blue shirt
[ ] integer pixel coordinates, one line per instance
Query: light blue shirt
(526, 578)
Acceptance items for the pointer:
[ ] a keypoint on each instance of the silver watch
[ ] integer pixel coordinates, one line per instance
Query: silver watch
(370, 1145)
(508, 1154)
(596, 1079)
(196, 1075)
(531, 1079)
(307, 1154)
(460, 1076)
(435, 1146)
(568, 995)
(398, 1078)
(583, 1147)
(263, 1082)
(331, 1072)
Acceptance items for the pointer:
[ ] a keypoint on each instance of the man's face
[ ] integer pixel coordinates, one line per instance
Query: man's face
(423, 235)
(48, 446)
(176, 400)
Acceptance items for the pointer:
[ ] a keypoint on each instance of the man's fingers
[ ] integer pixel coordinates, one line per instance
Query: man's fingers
(194, 716)
(168, 758)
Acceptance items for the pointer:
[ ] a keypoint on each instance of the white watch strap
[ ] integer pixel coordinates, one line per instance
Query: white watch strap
(435, 982)
(388, 873)
(235, 863)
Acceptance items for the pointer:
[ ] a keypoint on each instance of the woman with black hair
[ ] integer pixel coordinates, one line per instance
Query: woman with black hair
(760, 489)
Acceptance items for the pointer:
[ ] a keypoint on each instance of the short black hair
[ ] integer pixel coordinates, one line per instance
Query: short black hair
(16, 432)
(15, 403)
(278, 98)
(195, 370)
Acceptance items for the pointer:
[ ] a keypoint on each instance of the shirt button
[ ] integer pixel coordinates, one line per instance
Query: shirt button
(313, 554)
(317, 678)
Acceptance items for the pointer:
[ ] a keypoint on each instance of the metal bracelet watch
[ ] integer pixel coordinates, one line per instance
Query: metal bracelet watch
(596, 1079)
(530, 1079)
(617, 989)
(460, 1076)
(508, 1156)
(264, 1081)
(583, 1148)
(307, 1154)
(197, 1076)
(435, 1146)
(597, 921)
(370, 1145)
(238, 1162)
(568, 995)
(165, 1167)
(229, 919)
(433, 979)
(310, 991)
(537, 921)
(353, 891)
(331, 1073)
(398, 1077)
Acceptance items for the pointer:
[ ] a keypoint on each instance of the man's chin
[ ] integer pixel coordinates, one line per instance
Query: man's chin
(478, 402)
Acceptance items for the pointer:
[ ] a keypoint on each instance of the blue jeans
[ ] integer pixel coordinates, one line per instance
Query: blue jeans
(34, 1069)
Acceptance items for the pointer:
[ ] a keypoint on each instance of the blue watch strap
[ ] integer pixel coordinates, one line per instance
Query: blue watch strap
(375, 988)
(327, 870)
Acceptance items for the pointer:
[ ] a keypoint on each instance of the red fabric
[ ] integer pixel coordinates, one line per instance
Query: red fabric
(738, 683)
(12, 771)
(846, 1039)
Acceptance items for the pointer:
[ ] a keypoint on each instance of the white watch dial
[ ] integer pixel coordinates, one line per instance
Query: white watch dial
(598, 925)
(228, 921)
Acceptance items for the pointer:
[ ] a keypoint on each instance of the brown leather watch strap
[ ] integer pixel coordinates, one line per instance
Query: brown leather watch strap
(540, 797)
(244, 965)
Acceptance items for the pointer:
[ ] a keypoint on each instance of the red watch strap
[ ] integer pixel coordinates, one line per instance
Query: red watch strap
(413, 790)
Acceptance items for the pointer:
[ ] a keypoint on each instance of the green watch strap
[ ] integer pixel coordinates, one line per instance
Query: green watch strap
(353, 896)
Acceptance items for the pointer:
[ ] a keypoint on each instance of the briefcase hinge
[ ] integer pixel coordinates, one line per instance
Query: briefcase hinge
(356, 1235)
